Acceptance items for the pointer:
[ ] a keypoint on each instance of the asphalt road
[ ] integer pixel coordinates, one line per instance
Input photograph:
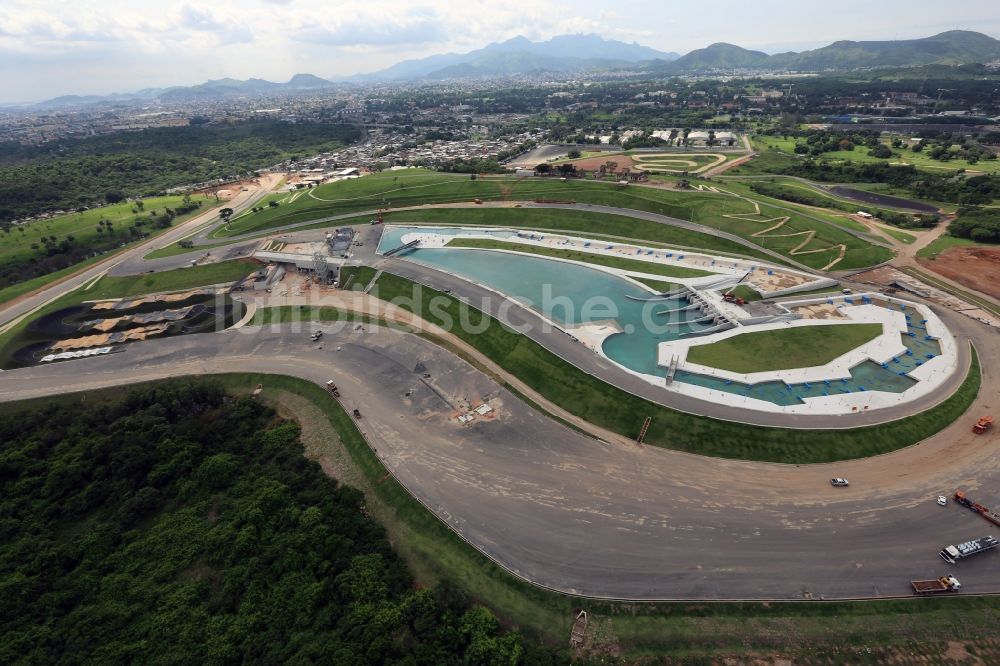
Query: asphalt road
(581, 516)
(132, 257)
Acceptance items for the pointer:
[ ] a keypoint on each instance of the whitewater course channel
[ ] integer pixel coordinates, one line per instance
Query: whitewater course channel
(559, 290)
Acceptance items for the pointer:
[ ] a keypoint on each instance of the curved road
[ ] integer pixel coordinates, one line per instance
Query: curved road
(585, 517)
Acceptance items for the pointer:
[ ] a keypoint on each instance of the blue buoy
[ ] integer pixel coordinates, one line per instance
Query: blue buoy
(909, 352)
(885, 365)
(861, 388)
(808, 386)
(843, 381)
(826, 381)
(929, 355)
(901, 374)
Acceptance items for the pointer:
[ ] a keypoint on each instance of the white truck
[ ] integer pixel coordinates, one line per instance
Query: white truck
(952, 554)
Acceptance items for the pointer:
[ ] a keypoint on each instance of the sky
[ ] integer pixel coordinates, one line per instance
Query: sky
(56, 47)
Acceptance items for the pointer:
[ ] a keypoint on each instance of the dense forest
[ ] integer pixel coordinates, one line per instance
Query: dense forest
(952, 187)
(69, 174)
(177, 525)
(980, 225)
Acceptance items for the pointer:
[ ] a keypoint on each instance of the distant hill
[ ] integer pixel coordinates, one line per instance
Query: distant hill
(720, 56)
(956, 47)
(948, 48)
(214, 89)
(522, 56)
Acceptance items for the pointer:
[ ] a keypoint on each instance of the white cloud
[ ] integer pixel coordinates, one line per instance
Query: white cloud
(377, 28)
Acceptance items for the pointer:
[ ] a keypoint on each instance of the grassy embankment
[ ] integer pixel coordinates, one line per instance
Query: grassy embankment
(783, 349)
(356, 278)
(659, 285)
(622, 263)
(83, 228)
(811, 632)
(707, 208)
(746, 292)
(946, 242)
(588, 397)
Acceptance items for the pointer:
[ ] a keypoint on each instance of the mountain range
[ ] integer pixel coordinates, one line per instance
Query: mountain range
(580, 53)
(522, 56)
(955, 47)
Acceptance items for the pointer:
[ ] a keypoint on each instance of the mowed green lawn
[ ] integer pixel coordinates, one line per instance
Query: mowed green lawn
(623, 263)
(783, 349)
(16, 245)
(222, 272)
(418, 187)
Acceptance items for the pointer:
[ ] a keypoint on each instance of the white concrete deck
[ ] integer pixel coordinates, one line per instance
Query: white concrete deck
(931, 374)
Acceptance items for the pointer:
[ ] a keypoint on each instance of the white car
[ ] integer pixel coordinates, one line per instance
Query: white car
(942, 500)
(839, 482)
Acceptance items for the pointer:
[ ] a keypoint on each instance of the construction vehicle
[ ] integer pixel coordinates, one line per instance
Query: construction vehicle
(332, 388)
(975, 507)
(937, 586)
(730, 298)
(982, 425)
(952, 554)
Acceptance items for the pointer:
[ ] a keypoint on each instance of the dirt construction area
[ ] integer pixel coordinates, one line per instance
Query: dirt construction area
(594, 163)
(975, 267)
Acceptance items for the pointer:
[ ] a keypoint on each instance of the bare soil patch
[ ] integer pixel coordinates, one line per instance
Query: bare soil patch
(591, 163)
(974, 267)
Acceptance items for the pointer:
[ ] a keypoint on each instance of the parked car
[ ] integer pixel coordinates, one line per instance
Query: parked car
(317, 335)
(839, 482)
(942, 500)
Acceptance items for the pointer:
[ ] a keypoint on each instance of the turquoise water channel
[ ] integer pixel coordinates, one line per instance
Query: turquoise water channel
(570, 294)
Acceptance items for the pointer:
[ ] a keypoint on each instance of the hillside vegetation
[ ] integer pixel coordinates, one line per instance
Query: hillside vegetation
(80, 172)
(176, 525)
